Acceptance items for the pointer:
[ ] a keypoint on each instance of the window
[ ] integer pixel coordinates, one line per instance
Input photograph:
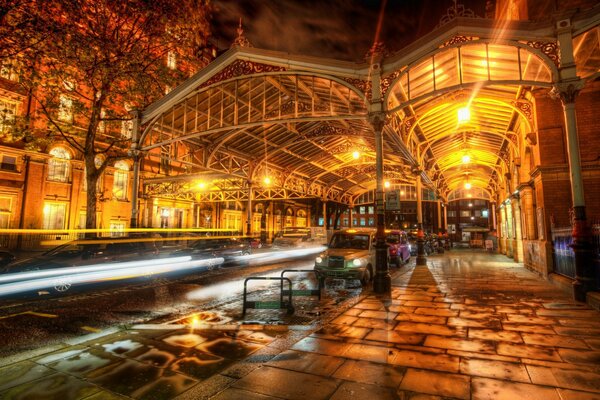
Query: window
(8, 110)
(54, 215)
(172, 60)
(361, 210)
(9, 163)
(121, 180)
(451, 214)
(65, 109)
(9, 70)
(5, 211)
(117, 228)
(58, 166)
(371, 210)
(465, 213)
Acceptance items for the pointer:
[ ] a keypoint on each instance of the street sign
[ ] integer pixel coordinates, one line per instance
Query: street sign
(392, 200)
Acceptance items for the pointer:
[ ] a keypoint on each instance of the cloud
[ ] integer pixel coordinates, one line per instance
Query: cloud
(340, 29)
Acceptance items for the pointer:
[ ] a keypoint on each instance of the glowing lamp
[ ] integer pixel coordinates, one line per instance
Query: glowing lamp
(464, 115)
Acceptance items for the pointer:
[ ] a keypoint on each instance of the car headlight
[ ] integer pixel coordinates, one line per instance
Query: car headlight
(319, 260)
(357, 262)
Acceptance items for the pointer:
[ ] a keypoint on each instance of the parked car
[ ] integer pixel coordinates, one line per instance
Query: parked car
(227, 248)
(349, 255)
(81, 253)
(399, 249)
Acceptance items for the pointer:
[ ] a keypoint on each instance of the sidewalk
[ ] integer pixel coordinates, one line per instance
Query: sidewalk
(468, 326)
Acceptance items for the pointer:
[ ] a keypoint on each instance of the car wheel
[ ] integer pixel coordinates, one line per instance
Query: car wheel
(62, 285)
(367, 276)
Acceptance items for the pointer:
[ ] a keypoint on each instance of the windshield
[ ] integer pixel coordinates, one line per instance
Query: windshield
(349, 241)
(70, 250)
(393, 239)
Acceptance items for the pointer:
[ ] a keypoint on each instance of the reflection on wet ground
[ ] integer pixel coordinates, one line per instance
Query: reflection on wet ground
(161, 362)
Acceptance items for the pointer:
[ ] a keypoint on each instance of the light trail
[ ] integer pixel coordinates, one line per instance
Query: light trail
(106, 275)
(19, 276)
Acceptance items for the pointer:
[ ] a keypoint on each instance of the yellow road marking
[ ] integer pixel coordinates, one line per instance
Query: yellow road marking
(36, 314)
(90, 329)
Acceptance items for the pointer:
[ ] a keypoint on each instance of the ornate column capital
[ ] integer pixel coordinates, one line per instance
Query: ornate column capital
(567, 91)
(377, 120)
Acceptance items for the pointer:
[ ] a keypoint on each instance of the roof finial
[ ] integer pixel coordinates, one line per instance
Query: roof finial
(456, 11)
(241, 40)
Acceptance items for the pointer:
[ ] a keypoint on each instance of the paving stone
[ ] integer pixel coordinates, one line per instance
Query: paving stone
(580, 314)
(527, 351)
(474, 345)
(239, 394)
(422, 318)
(484, 356)
(528, 328)
(527, 319)
(374, 323)
(322, 346)
(566, 305)
(365, 305)
(436, 383)
(512, 310)
(487, 309)
(362, 391)
(494, 369)
(417, 359)
(566, 394)
(430, 329)
(353, 312)
(489, 334)
(442, 312)
(401, 309)
(429, 304)
(472, 323)
(367, 352)
(311, 363)
(370, 373)
(415, 297)
(580, 356)
(593, 343)
(51, 387)
(378, 314)
(383, 335)
(579, 323)
(298, 385)
(22, 372)
(583, 331)
(344, 320)
(554, 341)
(479, 315)
(492, 389)
(569, 379)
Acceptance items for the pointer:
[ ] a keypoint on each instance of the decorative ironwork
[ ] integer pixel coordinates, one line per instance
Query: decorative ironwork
(240, 68)
(377, 50)
(362, 85)
(387, 80)
(458, 39)
(550, 49)
(456, 11)
(525, 108)
(329, 130)
(241, 40)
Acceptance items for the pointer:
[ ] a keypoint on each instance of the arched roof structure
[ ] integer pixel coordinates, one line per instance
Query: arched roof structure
(254, 113)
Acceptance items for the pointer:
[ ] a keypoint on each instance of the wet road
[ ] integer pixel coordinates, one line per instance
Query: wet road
(34, 322)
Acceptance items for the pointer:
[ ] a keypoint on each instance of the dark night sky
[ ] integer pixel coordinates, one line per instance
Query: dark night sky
(341, 29)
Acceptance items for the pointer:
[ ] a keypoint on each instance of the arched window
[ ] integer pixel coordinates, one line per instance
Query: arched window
(121, 180)
(58, 165)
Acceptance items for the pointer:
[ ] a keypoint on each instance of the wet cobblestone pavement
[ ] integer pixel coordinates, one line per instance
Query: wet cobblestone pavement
(467, 326)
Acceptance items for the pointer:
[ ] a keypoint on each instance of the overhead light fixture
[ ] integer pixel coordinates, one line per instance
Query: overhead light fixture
(467, 185)
(356, 155)
(466, 159)
(470, 204)
(201, 185)
(464, 115)
(267, 181)
(386, 184)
